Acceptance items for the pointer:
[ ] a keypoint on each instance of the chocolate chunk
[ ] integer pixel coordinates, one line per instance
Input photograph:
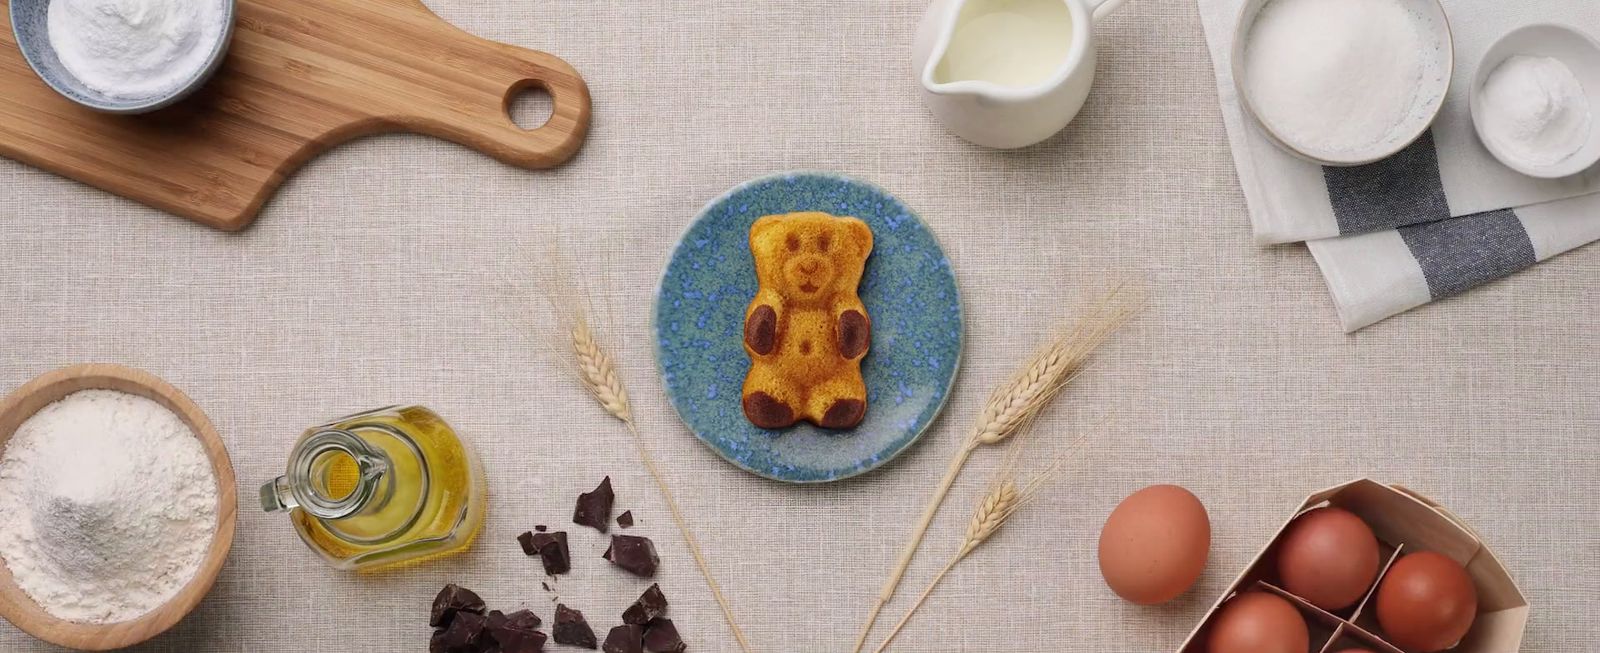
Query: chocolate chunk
(526, 540)
(594, 508)
(636, 555)
(627, 638)
(522, 620)
(625, 519)
(520, 641)
(650, 605)
(552, 550)
(660, 636)
(540, 527)
(464, 635)
(451, 600)
(572, 629)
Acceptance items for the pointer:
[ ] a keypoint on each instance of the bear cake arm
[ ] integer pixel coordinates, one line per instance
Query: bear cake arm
(761, 329)
(854, 329)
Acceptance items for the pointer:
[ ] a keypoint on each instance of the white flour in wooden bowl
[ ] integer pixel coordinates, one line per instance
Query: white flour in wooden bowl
(108, 504)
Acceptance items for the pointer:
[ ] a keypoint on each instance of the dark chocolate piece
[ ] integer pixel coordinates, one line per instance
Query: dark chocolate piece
(594, 508)
(540, 527)
(571, 628)
(650, 605)
(660, 636)
(635, 554)
(464, 635)
(627, 638)
(625, 519)
(514, 633)
(526, 540)
(519, 641)
(552, 550)
(451, 600)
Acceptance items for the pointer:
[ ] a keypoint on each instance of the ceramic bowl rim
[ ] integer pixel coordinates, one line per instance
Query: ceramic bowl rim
(655, 345)
(31, 51)
(1246, 19)
(1480, 76)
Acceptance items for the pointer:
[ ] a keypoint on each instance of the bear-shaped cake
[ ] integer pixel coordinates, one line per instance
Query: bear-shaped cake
(807, 330)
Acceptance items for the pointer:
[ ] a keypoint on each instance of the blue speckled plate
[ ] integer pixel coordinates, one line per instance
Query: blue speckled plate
(910, 293)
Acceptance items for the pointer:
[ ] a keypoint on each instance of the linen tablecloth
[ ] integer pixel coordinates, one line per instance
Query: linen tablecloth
(378, 275)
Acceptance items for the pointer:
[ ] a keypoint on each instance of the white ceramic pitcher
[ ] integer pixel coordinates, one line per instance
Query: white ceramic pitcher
(998, 116)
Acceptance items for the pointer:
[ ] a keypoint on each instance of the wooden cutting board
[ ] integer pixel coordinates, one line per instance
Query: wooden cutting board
(301, 76)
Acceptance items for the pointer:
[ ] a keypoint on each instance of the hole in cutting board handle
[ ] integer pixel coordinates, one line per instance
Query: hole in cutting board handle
(530, 106)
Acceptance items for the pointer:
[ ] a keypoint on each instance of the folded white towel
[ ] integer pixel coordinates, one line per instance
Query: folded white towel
(1375, 275)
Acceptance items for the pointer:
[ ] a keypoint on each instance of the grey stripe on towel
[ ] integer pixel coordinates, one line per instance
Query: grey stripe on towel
(1460, 253)
(1400, 190)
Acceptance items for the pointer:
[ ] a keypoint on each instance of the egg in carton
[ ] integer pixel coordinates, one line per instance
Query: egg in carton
(1404, 522)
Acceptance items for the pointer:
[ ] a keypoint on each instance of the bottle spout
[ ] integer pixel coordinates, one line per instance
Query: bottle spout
(276, 495)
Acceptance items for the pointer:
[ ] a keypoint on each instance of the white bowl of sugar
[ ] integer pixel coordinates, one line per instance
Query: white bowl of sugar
(1533, 100)
(1343, 82)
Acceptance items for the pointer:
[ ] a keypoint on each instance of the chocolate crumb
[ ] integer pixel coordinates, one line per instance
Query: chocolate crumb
(540, 527)
(660, 636)
(650, 605)
(627, 638)
(546, 586)
(634, 554)
(465, 634)
(453, 599)
(571, 628)
(594, 508)
(625, 519)
(553, 552)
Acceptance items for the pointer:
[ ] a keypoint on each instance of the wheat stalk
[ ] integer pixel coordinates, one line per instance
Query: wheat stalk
(597, 372)
(1011, 407)
(1002, 501)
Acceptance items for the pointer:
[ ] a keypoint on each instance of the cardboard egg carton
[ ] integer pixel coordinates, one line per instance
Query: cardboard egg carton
(1404, 522)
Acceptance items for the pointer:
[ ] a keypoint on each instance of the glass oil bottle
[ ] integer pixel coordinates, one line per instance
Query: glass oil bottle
(386, 487)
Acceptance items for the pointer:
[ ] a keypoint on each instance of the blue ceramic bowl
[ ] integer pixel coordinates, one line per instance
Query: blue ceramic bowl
(33, 38)
(910, 294)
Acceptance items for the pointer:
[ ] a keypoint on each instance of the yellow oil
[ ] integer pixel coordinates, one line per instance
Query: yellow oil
(431, 501)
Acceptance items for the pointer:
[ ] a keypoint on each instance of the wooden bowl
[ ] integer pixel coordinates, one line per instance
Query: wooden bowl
(18, 608)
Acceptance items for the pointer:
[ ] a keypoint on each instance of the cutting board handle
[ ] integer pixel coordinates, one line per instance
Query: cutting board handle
(474, 107)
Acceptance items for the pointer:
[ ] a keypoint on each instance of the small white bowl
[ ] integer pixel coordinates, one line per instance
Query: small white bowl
(1575, 49)
(29, 26)
(1433, 23)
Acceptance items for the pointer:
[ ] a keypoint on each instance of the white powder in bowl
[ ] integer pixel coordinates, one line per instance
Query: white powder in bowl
(135, 48)
(1337, 77)
(108, 504)
(1535, 111)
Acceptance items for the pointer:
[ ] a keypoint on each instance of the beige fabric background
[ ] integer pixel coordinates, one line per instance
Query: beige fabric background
(377, 276)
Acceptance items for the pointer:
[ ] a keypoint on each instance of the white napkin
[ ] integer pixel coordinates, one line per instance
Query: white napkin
(1290, 199)
(1382, 273)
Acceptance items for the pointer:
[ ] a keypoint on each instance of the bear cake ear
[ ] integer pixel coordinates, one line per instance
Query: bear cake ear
(859, 233)
(762, 224)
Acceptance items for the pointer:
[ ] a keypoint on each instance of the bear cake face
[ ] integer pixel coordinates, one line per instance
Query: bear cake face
(810, 257)
(806, 331)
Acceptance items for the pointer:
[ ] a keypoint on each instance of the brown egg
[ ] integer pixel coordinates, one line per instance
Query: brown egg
(1426, 603)
(1329, 557)
(1154, 545)
(1258, 622)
